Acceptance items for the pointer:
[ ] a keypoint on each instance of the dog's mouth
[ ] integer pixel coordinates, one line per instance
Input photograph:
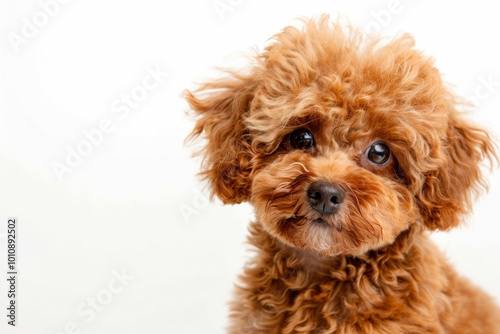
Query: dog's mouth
(336, 224)
(319, 234)
(307, 222)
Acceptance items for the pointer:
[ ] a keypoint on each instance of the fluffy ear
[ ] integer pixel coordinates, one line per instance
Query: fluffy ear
(221, 106)
(448, 192)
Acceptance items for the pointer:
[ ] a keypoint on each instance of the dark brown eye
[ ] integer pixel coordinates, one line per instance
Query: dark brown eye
(301, 139)
(379, 153)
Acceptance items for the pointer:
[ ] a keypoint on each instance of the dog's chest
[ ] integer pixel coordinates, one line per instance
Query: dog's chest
(350, 294)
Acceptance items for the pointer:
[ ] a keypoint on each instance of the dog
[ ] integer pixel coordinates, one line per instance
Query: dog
(351, 149)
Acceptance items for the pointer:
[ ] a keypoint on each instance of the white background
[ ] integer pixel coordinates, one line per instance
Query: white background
(121, 209)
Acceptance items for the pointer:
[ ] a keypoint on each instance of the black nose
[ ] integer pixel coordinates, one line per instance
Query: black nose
(325, 198)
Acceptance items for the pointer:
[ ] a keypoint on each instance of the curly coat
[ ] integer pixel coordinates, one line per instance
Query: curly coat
(370, 267)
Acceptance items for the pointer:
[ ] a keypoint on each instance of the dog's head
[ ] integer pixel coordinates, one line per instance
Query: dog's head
(340, 142)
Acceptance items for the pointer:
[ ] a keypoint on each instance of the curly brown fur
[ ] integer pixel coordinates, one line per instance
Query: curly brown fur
(367, 265)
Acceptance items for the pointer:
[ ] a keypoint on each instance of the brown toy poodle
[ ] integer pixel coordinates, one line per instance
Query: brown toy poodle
(350, 150)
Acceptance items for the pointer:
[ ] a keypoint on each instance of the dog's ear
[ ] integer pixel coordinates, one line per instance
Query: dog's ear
(448, 192)
(221, 107)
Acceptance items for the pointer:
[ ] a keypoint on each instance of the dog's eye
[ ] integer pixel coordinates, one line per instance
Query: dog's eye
(379, 153)
(301, 139)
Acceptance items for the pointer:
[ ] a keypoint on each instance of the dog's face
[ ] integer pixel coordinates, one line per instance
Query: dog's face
(340, 144)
